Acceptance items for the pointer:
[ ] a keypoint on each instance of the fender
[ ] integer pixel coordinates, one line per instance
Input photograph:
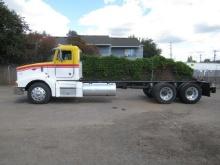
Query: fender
(27, 82)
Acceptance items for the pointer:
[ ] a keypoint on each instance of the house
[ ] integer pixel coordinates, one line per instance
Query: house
(120, 47)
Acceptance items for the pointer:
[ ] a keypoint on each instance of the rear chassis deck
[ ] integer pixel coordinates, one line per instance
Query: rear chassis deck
(207, 88)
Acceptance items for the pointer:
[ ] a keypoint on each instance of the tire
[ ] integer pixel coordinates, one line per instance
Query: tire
(178, 89)
(148, 92)
(190, 93)
(39, 93)
(164, 93)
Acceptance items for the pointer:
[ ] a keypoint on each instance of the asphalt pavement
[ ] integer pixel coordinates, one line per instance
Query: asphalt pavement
(128, 129)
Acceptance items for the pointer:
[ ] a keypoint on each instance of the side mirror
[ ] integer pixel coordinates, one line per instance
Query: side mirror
(59, 55)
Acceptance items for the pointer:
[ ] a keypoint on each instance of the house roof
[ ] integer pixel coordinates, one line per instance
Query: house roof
(125, 42)
(61, 40)
(96, 40)
(104, 40)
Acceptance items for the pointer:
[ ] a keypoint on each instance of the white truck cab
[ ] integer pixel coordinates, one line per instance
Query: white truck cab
(58, 78)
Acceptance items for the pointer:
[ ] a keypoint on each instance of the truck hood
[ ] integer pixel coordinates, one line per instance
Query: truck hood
(35, 65)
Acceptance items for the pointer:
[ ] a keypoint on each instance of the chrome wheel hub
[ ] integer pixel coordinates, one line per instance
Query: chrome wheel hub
(166, 93)
(38, 94)
(192, 93)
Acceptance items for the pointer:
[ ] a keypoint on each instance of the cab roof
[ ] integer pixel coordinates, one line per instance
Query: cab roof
(67, 47)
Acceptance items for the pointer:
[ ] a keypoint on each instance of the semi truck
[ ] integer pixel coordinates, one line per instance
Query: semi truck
(62, 77)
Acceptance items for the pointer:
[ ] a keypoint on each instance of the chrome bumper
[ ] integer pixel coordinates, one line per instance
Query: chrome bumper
(19, 90)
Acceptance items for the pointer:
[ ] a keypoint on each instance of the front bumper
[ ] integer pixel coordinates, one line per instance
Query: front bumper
(19, 90)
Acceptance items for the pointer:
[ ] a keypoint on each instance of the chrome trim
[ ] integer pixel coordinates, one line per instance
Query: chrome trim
(166, 93)
(192, 93)
(99, 89)
(38, 94)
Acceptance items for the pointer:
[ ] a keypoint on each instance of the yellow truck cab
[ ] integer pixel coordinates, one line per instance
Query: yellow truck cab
(58, 78)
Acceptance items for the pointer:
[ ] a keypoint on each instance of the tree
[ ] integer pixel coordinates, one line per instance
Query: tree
(46, 44)
(38, 46)
(207, 60)
(12, 31)
(150, 48)
(74, 39)
(72, 33)
(190, 59)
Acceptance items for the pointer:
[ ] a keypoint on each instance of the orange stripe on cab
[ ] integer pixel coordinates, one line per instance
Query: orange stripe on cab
(38, 66)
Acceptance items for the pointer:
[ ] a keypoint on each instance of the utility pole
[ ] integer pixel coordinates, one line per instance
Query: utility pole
(200, 58)
(214, 55)
(171, 51)
(200, 55)
(215, 51)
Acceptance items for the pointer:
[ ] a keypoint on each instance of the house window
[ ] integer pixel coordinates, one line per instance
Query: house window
(130, 53)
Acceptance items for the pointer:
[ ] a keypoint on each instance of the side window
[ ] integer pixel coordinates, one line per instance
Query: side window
(66, 55)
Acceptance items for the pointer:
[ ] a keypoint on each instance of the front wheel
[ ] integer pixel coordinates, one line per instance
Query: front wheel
(164, 93)
(39, 93)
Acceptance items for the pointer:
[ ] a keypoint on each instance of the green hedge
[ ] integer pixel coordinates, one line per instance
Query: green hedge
(114, 68)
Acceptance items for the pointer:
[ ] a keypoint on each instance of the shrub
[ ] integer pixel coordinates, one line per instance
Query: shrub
(114, 68)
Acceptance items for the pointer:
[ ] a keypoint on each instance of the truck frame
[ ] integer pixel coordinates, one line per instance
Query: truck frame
(62, 77)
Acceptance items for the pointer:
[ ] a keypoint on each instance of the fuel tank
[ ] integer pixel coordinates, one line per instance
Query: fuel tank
(99, 89)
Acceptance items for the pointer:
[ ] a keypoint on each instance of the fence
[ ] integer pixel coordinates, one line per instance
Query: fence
(7, 74)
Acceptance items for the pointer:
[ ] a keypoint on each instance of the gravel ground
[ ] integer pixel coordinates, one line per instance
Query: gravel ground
(128, 129)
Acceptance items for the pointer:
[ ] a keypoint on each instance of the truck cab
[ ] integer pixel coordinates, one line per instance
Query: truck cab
(58, 78)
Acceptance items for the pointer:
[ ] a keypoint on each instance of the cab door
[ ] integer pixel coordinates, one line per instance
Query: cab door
(64, 64)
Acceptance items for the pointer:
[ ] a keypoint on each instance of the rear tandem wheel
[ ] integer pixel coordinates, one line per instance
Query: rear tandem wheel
(190, 93)
(164, 93)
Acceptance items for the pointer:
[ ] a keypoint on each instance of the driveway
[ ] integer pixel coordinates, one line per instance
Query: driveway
(128, 129)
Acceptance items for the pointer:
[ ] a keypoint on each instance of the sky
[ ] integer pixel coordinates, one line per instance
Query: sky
(192, 26)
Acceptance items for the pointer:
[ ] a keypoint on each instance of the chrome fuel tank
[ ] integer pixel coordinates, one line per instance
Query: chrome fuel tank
(99, 89)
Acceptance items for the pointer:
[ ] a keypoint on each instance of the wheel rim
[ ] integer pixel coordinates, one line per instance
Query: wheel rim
(166, 93)
(38, 94)
(192, 93)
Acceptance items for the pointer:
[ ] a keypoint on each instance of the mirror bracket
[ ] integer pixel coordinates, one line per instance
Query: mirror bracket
(59, 55)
